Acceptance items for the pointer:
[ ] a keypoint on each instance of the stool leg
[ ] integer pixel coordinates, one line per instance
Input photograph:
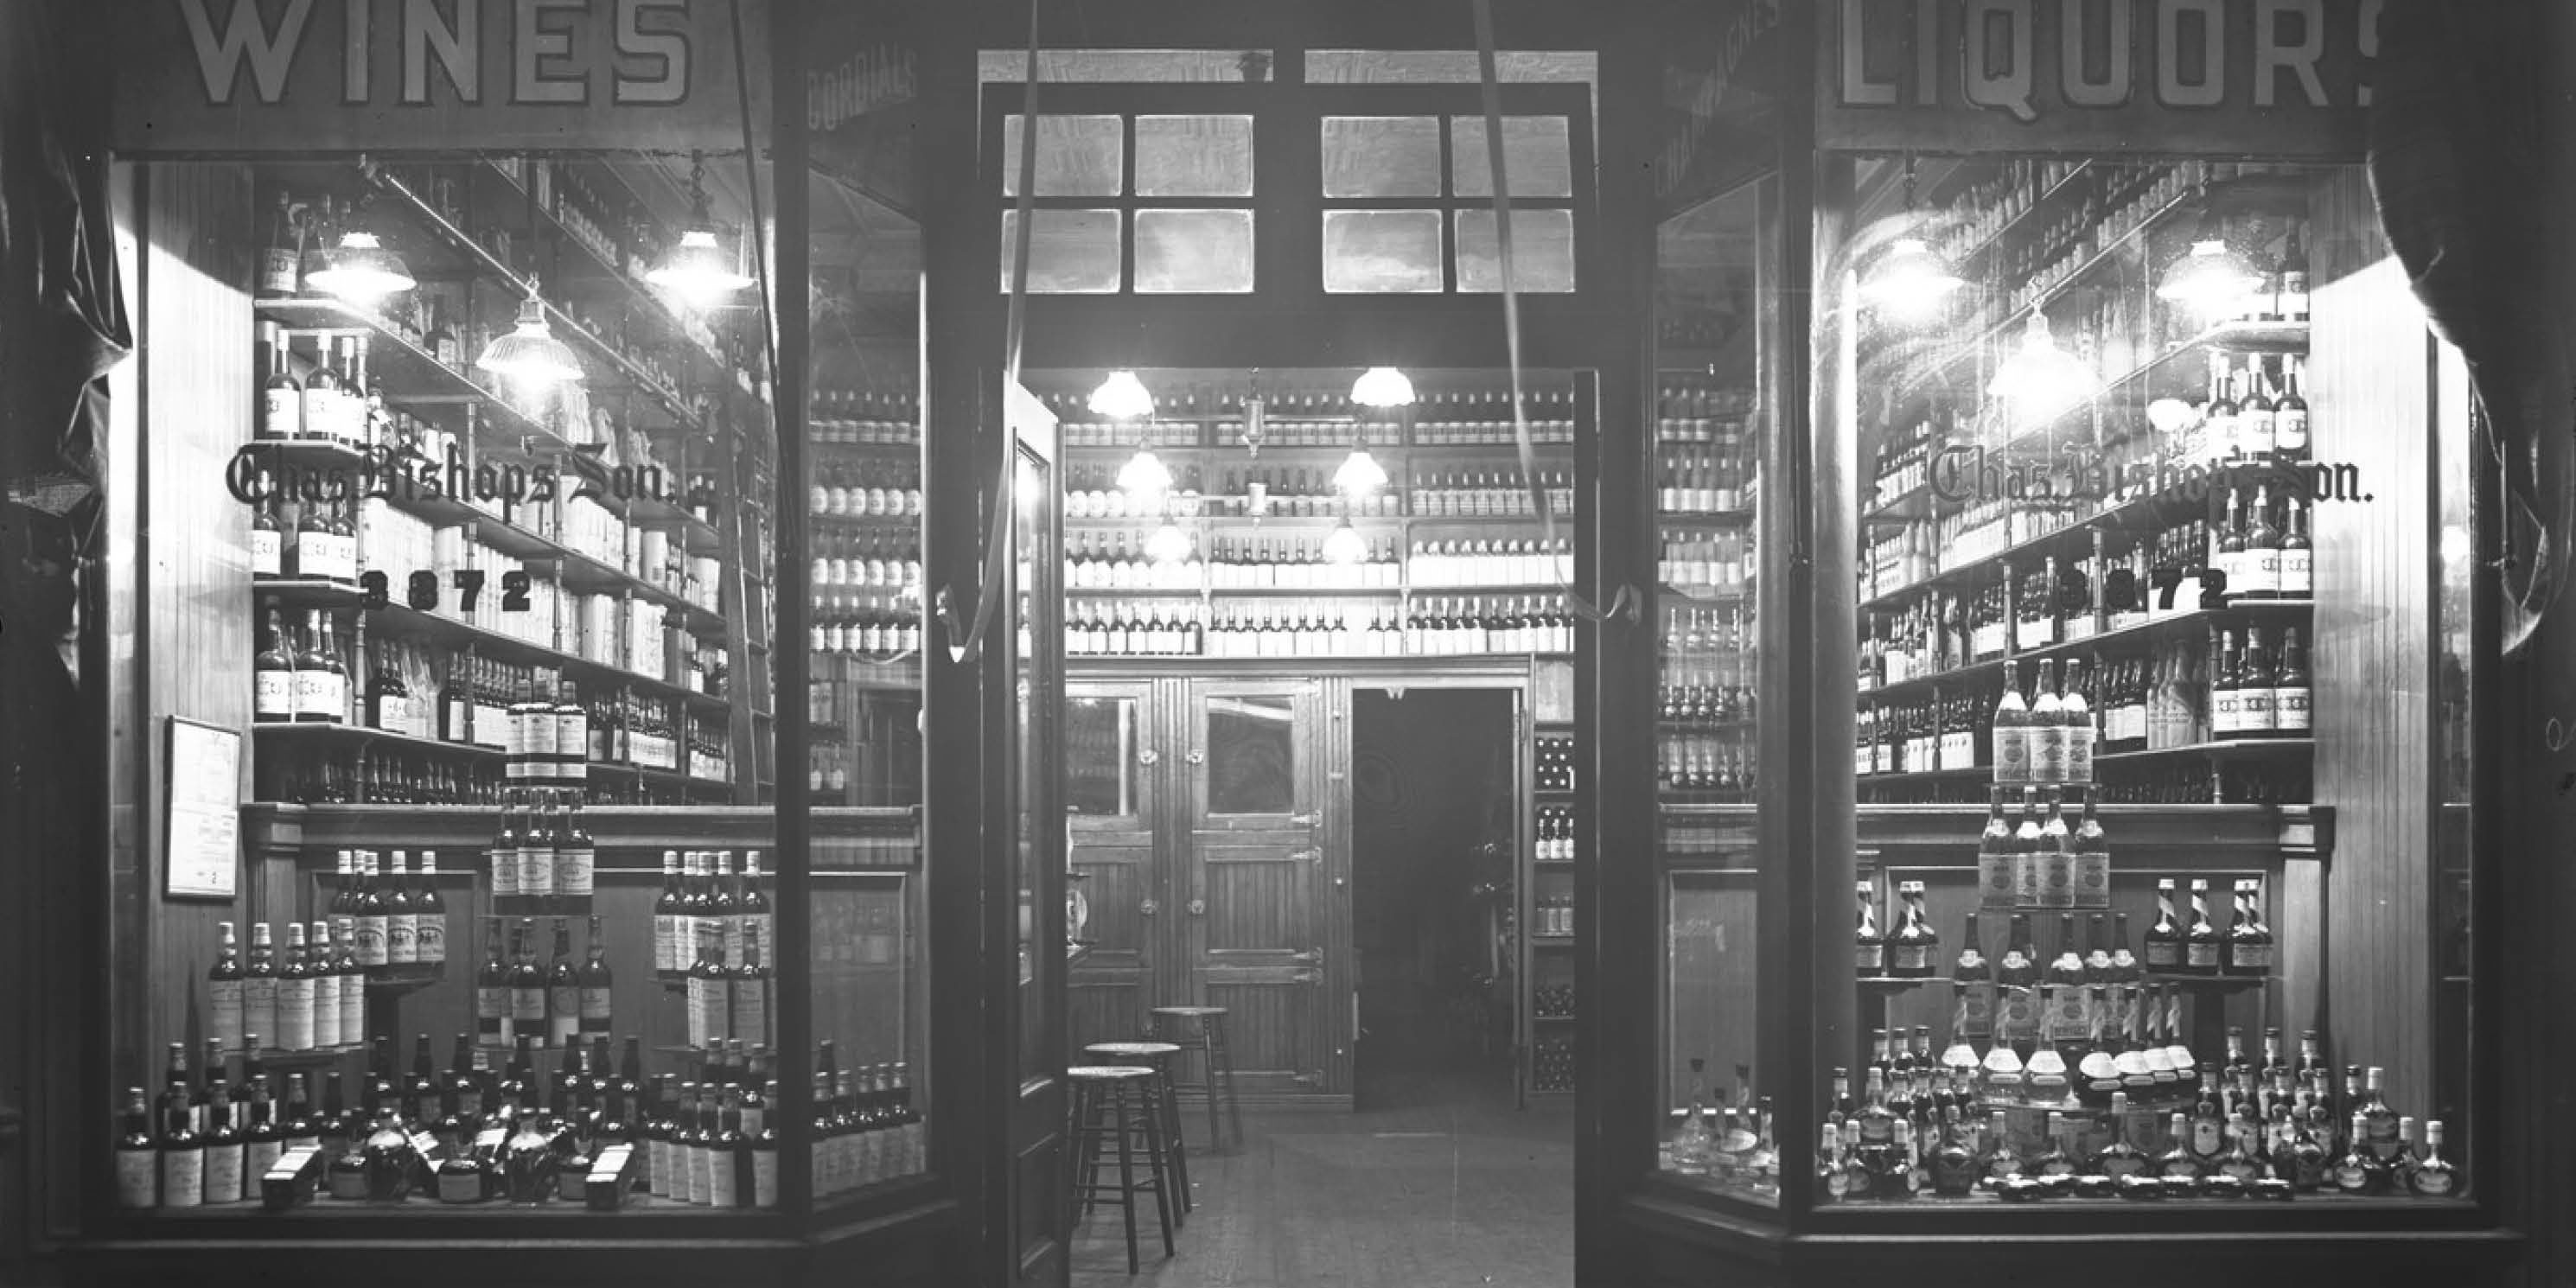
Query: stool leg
(1219, 1054)
(1126, 1171)
(1165, 1205)
(1207, 1060)
(1092, 1144)
(1172, 1133)
(1073, 1140)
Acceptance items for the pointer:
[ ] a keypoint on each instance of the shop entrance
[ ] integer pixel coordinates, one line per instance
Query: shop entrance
(1434, 786)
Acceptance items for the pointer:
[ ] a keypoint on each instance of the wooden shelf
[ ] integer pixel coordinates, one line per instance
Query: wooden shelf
(295, 732)
(2187, 623)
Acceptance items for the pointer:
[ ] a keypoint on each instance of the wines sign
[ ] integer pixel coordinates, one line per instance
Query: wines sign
(398, 76)
(2273, 77)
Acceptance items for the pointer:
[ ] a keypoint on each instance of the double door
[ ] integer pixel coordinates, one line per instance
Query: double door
(1210, 867)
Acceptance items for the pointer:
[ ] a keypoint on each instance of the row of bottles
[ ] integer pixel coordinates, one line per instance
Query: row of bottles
(312, 994)
(542, 852)
(1706, 561)
(1555, 841)
(873, 627)
(869, 490)
(1326, 418)
(876, 559)
(847, 416)
(1554, 765)
(521, 1003)
(1715, 769)
(1703, 482)
(2045, 862)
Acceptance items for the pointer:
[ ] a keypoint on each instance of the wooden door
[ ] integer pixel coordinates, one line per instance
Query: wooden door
(1252, 884)
(1114, 768)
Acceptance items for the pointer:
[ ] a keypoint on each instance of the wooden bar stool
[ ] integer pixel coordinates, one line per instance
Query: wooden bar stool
(1172, 1024)
(1121, 1103)
(1158, 1057)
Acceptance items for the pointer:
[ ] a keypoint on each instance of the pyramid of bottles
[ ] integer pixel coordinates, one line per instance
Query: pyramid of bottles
(277, 1127)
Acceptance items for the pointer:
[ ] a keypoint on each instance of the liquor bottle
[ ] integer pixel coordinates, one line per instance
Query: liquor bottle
(529, 1161)
(726, 906)
(2165, 937)
(295, 994)
(321, 684)
(2180, 1160)
(372, 923)
(1996, 859)
(2075, 718)
(138, 1156)
(538, 838)
(755, 905)
(575, 857)
(2121, 1157)
(2012, 731)
(563, 992)
(1954, 1165)
(750, 990)
(2249, 944)
(402, 924)
(762, 1133)
(2378, 1120)
(352, 990)
(596, 985)
(2056, 858)
(2047, 731)
(2290, 693)
(666, 917)
(527, 984)
(1833, 1166)
(2178, 1052)
(2099, 1080)
(2434, 1177)
(2362, 1170)
(2240, 1158)
(2092, 861)
(259, 986)
(1976, 983)
(222, 1151)
(2054, 1158)
(1869, 944)
(224, 990)
(274, 675)
(571, 742)
(2202, 943)
(1913, 949)
(429, 915)
(182, 1152)
(2027, 852)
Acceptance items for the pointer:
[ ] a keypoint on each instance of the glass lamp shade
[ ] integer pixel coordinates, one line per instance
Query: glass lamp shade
(1911, 283)
(530, 352)
(1345, 545)
(1122, 397)
(698, 270)
(1144, 474)
(1382, 387)
(1168, 545)
(360, 270)
(2040, 379)
(2209, 279)
(1360, 474)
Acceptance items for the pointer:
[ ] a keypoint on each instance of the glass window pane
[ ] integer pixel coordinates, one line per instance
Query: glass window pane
(1194, 156)
(1187, 251)
(1100, 757)
(1381, 156)
(1071, 252)
(1542, 251)
(1078, 156)
(1535, 157)
(1252, 755)
(1389, 251)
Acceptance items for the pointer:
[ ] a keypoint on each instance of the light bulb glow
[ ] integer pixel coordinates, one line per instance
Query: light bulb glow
(1168, 545)
(2040, 380)
(1345, 545)
(698, 270)
(1122, 397)
(531, 353)
(1911, 283)
(1382, 387)
(1144, 474)
(2209, 280)
(1360, 475)
(360, 270)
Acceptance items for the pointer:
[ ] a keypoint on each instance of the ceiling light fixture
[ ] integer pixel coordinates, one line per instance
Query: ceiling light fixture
(1911, 283)
(2040, 380)
(1382, 387)
(698, 270)
(1123, 397)
(360, 270)
(1345, 545)
(1168, 545)
(2209, 279)
(531, 353)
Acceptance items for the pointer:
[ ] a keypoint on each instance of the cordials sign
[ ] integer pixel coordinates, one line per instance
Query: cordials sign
(2276, 77)
(252, 76)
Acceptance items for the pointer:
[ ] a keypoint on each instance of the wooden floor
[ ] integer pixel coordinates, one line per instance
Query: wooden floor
(1447, 1187)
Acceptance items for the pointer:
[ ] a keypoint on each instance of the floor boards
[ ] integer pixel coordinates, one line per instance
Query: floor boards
(1445, 1186)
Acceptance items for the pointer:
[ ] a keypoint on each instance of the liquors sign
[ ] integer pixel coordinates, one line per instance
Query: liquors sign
(2273, 77)
(395, 76)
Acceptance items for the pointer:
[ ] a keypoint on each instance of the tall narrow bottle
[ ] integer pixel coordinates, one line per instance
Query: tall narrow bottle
(2202, 942)
(224, 991)
(2012, 730)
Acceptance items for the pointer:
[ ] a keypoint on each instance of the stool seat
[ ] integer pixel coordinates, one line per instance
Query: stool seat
(1139, 1050)
(1189, 1012)
(1108, 1072)
(1202, 1029)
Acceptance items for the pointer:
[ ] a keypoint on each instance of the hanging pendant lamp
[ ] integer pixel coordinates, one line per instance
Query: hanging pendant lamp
(698, 270)
(530, 352)
(360, 270)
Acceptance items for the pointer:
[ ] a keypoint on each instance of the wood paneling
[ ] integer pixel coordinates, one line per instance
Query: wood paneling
(190, 547)
(2369, 386)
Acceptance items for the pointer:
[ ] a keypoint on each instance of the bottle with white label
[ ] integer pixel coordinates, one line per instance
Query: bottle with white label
(666, 918)
(295, 994)
(372, 927)
(259, 986)
(429, 915)
(575, 857)
(353, 987)
(224, 991)
(138, 1156)
(326, 988)
(402, 928)
(182, 1151)
(273, 674)
(321, 684)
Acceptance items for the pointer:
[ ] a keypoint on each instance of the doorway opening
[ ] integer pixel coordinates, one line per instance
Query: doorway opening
(1434, 840)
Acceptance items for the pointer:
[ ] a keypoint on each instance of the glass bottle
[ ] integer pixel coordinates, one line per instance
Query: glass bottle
(1869, 943)
(2435, 1177)
(2178, 1161)
(2361, 1171)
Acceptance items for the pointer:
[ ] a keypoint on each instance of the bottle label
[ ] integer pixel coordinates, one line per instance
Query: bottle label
(371, 941)
(402, 940)
(267, 553)
(751, 1010)
(505, 872)
(594, 1010)
(662, 940)
(528, 1007)
(2352, 1180)
(2163, 954)
(2093, 879)
(2297, 576)
(223, 1174)
(573, 872)
(224, 998)
(1912, 957)
(259, 1006)
(2203, 956)
(1977, 1009)
(326, 1010)
(2027, 879)
(183, 1178)
(1995, 880)
(353, 1008)
(2227, 711)
(279, 268)
(317, 693)
(572, 742)
(2252, 958)
(1872, 958)
(536, 870)
(275, 697)
(2290, 709)
(138, 1178)
(2012, 755)
(536, 737)
(2254, 710)
(2056, 879)
(2066, 1013)
(429, 938)
(764, 1178)
(491, 1007)
(257, 1157)
(295, 1014)
(2206, 1140)
(2430, 1182)
(2101, 1072)
(2020, 1015)
(2047, 754)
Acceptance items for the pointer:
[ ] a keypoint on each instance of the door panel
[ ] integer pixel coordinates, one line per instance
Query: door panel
(1252, 886)
(1114, 769)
